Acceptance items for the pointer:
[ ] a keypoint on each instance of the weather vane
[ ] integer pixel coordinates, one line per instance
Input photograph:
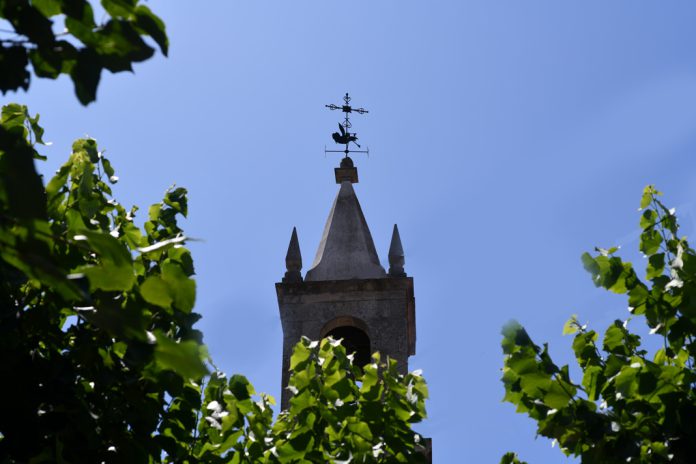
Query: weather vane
(344, 136)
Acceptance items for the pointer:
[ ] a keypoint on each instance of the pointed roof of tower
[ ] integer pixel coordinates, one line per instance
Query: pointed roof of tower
(346, 250)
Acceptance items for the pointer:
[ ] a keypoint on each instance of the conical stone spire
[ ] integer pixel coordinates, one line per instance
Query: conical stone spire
(346, 250)
(293, 260)
(396, 255)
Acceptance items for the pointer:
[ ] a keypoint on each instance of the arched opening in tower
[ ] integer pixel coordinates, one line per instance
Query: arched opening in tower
(355, 341)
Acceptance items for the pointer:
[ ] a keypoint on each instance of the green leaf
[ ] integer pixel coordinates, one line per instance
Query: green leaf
(637, 298)
(37, 130)
(300, 355)
(514, 336)
(648, 219)
(184, 358)
(650, 241)
(361, 429)
(13, 62)
(571, 326)
(80, 20)
(592, 381)
(585, 349)
(656, 265)
(647, 197)
(511, 458)
(184, 287)
(153, 26)
(47, 8)
(626, 381)
(28, 250)
(559, 394)
(114, 269)
(132, 235)
(46, 63)
(647, 384)
(119, 8)
(178, 200)
(302, 401)
(108, 170)
(615, 341)
(154, 212)
(88, 148)
(86, 74)
(240, 387)
(172, 287)
(287, 452)
(119, 45)
(20, 184)
(13, 117)
(591, 266)
(156, 291)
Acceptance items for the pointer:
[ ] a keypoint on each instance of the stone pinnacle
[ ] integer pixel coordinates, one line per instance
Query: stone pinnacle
(293, 260)
(396, 255)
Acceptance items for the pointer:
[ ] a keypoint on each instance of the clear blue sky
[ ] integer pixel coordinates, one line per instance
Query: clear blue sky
(506, 138)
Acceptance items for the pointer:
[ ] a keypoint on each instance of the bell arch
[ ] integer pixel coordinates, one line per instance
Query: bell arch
(354, 336)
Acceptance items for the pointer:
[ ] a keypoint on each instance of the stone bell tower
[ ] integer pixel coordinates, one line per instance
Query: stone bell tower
(347, 293)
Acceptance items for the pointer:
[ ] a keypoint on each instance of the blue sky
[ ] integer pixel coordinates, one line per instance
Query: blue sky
(506, 138)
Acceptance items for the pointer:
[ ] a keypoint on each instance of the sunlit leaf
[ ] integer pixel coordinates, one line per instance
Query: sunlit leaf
(184, 357)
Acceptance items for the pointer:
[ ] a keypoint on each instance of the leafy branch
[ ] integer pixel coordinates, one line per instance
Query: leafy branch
(114, 45)
(644, 401)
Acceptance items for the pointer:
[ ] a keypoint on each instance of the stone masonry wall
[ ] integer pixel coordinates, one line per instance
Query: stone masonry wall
(385, 306)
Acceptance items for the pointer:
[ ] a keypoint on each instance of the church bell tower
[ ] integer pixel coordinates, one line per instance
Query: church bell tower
(346, 293)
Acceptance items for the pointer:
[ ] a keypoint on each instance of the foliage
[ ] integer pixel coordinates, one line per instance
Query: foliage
(511, 458)
(630, 405)
(101, 363)
(338, 414)
(99, 354)
(83, 49)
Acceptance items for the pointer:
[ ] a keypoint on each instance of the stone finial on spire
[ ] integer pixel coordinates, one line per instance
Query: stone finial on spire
(396, 255)
(293, 260)
(347, 171)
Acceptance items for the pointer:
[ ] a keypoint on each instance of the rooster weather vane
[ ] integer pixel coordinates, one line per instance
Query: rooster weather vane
(344, 136)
